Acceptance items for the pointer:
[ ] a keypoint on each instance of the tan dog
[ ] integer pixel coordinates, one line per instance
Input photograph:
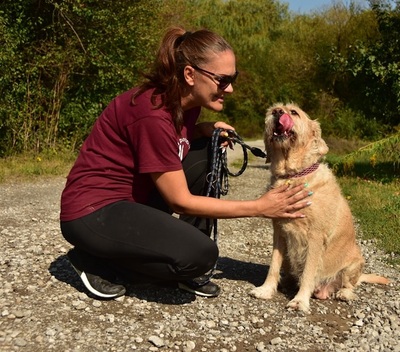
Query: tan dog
(320, 251)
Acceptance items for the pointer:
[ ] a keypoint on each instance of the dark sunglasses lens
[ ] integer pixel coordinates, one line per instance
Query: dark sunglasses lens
(225, 81)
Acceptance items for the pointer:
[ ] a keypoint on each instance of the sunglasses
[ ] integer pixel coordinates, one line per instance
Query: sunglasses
(223, 80)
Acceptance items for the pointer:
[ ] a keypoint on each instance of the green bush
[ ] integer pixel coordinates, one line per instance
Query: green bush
(348, 124)
(63, 61)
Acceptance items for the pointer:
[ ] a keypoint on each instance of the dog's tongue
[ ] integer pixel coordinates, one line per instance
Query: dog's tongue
(285, 123)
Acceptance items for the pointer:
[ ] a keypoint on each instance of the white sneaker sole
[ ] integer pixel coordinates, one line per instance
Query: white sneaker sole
(93, 290)
(197, 293)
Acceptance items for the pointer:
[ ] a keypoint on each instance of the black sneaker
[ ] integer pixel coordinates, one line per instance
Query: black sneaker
(95, 284)
(200, 287)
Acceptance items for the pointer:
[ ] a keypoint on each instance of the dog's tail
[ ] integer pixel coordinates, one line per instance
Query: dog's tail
(373, 279)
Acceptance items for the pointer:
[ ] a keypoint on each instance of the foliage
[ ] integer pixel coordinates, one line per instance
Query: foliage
(250, 26)
(62, 61)
(379, 161)
(370, 71)
(349, 124)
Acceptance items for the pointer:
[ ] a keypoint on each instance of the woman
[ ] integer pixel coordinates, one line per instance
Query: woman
(135, 169)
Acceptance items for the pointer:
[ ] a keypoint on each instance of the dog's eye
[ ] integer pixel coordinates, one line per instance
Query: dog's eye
(294, 112)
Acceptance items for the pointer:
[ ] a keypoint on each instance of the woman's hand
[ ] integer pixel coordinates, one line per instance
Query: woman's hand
(285, 202)
(226, 127)
(206, 129)
(223, 125)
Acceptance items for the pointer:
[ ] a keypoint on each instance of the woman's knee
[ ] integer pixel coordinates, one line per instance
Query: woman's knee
(209, 256)
(200, 260)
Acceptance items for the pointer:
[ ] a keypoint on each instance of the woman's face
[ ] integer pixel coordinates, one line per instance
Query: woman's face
(210, 82)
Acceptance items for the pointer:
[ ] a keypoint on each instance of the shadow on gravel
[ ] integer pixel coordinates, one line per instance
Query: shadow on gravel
(168, 293)
(233, 269)
(160, 293)
(164, 293)
(61, 269)
(236, 270)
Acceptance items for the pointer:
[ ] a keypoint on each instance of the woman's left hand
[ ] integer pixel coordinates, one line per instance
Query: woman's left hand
(225, 142)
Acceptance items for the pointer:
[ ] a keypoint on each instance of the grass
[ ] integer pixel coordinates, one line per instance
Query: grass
(371, 185)
(29, 167)
(370, 180)
(377, 207)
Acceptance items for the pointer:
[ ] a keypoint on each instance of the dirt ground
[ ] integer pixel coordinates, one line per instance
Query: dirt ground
(43, 305)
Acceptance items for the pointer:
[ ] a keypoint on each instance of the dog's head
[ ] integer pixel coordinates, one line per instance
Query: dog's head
(290, 130)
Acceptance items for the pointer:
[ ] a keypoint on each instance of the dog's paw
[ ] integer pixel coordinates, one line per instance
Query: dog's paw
(263, 292)
(300, 305)
(346, 294)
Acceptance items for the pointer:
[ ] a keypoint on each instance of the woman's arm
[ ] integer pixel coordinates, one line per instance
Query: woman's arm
(281, 202)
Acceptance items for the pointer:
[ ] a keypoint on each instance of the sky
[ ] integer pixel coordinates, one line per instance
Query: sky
(306, 6)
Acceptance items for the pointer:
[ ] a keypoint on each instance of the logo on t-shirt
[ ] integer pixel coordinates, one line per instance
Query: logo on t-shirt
(184, 146)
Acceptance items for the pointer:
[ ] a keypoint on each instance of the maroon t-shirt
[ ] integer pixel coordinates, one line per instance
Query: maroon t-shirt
(127, 143)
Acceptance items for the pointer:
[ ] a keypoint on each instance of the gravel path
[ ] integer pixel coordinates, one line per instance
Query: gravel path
(43, 305)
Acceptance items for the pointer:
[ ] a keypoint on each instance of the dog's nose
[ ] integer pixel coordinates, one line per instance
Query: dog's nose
(278, 112)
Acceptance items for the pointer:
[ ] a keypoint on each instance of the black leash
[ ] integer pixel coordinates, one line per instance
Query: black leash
(217, 178)
(218, 175)
(234, 137)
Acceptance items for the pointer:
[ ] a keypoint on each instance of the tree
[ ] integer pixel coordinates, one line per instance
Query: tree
(250, 26)
(64, 61)
(373, 68)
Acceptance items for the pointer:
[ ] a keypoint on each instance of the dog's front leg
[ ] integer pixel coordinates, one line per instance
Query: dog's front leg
(270, 285)
(312, 265)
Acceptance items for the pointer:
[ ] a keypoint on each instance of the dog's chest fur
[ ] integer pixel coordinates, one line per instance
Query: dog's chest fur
(299, 233)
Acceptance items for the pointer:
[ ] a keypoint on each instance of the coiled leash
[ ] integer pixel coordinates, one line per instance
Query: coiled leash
(218, 175)
(217, 178)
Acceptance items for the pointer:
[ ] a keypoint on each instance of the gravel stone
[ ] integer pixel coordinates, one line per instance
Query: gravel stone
(43, 304)
(156, 341)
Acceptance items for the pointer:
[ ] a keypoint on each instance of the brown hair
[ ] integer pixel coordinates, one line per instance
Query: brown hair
(178, 49)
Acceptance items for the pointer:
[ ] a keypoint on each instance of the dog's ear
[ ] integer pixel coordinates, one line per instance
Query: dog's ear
(268, 151)
(319, 144)
(267, 144)
(268, 134)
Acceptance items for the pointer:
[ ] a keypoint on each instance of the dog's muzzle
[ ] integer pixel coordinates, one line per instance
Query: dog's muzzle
(283, 125)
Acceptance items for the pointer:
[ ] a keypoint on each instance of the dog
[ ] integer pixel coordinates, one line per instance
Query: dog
(319, 251)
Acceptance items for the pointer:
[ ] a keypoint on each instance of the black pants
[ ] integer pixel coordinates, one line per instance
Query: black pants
(145, 239)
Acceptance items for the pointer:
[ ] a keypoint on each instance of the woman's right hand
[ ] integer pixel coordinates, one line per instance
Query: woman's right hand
(285, 202)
